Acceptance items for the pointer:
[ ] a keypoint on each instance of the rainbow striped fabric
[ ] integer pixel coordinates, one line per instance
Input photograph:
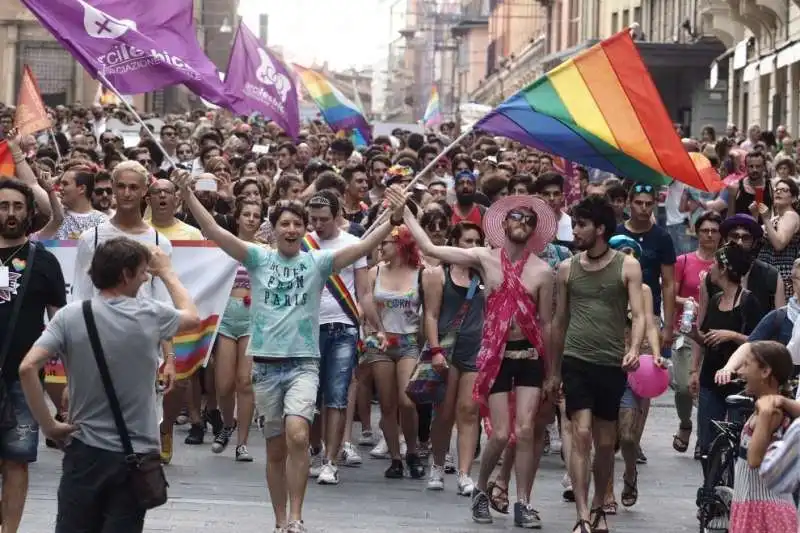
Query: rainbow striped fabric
(602, 109)
(433, 112)
(339, 112)
(7, 166)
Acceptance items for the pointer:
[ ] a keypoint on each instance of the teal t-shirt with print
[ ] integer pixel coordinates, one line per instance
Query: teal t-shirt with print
(285, 295)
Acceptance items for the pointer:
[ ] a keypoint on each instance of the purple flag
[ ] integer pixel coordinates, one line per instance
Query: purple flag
(139, 46)
(259, 81)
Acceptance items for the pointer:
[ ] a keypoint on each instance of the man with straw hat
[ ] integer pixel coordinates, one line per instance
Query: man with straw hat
(516, 333)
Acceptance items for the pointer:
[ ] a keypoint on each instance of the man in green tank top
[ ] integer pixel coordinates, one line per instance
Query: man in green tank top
(593, 291)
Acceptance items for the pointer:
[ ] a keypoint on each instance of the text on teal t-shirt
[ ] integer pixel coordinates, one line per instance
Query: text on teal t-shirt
(285, 295)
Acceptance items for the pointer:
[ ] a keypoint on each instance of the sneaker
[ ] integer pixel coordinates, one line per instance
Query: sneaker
(196, 434)
(403, 448)
(641, 458)
(381, 450)
(465, 485)
(242, 455)
(317, 461)
(526, 516)
(480, 508)
(395, 470)
(415, 467)
(350, 456)
(423, 449)
(166, 447)
(367, 438)
(568, 495)
(214, 419)
(222, 439)
(183, 418)
(295, 527)
(436, 478)
(449, 464)
(555, 438)
(328, 475)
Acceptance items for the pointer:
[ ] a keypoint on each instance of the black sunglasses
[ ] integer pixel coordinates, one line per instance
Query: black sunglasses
(100, 191)
(517, 216)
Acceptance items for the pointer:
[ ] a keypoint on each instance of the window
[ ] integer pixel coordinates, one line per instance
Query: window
(637, 15)
(626, 18)
(574, 22)
(614, 22)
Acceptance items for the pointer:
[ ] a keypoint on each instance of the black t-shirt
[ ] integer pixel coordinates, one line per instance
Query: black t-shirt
(46, 287)
(657, 250)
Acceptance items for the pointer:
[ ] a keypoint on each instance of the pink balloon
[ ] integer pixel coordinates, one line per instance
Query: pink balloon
(649, 380)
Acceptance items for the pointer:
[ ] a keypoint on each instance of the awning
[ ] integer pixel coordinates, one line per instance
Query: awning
(750, 72)
(767, 65)
(788, 56)
(740, 54)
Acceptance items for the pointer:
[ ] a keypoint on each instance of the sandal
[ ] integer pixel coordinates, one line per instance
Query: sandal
(630, 493)
(679, 443)
(599, 515)
(583, 526)
(610, 508)
(498, 497)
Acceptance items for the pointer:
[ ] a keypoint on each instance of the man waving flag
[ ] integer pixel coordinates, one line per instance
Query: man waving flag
(137, 46)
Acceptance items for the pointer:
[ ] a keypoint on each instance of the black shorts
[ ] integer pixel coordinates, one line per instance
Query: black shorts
(518, 373)
(597, 388)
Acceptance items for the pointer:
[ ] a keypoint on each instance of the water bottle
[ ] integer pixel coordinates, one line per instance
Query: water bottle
(687, 318)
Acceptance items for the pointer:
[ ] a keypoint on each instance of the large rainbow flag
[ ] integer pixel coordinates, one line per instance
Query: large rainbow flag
(205, 270)
(339, 112)
(433, 111)
(602, 109)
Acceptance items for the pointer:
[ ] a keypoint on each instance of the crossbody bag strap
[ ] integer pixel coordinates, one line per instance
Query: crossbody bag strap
(17, 309)
(102, 366)
(458, 319)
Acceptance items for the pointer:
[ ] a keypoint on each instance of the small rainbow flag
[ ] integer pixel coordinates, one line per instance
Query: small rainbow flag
(7, 166)
(191, 348)
(339, 112)
(601, 109)
(433, 113)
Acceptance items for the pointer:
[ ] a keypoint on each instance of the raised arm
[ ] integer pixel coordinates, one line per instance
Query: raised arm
(26, 175)
(230, 244)
(56, 218)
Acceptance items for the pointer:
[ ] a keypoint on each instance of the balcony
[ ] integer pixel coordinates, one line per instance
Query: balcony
(474, 14)
(717, 20)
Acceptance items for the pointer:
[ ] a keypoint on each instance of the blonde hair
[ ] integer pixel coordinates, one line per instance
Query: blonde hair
(130, 166)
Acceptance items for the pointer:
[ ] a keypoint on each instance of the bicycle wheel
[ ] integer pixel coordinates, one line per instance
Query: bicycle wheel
(714, 503)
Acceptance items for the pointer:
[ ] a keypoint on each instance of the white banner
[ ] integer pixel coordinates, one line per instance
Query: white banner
(204, 269)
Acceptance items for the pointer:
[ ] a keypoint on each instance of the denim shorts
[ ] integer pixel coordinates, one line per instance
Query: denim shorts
(235, 322)
(400, 346)
(20, 444)
(630, 400)
(337, 348)
(285, 387)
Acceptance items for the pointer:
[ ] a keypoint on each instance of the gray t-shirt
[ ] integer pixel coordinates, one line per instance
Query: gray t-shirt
(130, 330)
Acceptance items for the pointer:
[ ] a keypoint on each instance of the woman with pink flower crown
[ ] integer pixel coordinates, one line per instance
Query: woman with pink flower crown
(232, 368)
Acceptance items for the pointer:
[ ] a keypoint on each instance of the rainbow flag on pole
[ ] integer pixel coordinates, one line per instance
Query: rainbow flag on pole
(602, 109)
(433, 112)
(339, 112)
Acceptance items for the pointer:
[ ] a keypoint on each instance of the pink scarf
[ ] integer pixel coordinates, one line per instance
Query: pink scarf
(508, 301)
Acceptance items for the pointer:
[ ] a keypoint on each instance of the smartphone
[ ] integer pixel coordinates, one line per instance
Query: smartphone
(759, 194)
(205, 184)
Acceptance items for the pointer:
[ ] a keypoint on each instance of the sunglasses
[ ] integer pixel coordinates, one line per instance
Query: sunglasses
(100, 191)
(436, 225)
(517, 216)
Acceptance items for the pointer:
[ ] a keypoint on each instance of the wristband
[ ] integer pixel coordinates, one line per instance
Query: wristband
(437, 350)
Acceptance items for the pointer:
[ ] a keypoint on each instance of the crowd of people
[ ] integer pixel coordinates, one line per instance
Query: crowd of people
(530, 286)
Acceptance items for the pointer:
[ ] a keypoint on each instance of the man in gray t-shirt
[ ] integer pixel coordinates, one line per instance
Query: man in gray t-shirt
(94, 484)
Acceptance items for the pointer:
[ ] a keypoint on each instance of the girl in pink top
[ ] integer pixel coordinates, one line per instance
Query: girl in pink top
(690, 271)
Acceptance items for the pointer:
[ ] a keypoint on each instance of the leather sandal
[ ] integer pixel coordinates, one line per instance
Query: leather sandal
(599, 516)
(583, 526)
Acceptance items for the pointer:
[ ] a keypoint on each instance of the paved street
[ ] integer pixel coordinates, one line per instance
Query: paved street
(213, 493)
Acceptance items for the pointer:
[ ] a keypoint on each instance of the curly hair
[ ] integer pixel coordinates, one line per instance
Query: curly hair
(407, 246)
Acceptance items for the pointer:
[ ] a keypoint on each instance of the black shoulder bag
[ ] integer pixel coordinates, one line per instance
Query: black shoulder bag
(147, 478)
(8, 419)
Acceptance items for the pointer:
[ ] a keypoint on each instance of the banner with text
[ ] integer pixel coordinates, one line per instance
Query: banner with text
(205, 270)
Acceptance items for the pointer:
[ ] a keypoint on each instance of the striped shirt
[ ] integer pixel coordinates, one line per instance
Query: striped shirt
(780, 469)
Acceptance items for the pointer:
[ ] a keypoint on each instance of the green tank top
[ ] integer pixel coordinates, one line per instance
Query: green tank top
(598, 309)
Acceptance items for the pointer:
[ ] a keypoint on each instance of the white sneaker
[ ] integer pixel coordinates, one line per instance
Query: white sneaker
(381, 450)
(403, 448)
(555, 439)
(316, 463)
(367, 438)
(328, 475)
(350, 456)
(449, 464)
(465, 484)
(436, 478)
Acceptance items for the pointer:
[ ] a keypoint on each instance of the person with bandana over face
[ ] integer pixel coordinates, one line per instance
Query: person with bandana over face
(465, 207)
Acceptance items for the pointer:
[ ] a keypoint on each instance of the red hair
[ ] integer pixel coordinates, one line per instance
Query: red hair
(407, 246)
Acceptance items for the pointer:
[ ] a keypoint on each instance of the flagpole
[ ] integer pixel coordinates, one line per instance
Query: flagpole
(55, 143)
(382, 217)
(138, 118)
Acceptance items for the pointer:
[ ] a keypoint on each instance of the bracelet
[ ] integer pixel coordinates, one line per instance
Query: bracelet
(437, 350)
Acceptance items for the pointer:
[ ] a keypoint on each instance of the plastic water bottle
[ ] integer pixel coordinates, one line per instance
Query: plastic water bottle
(687, 318)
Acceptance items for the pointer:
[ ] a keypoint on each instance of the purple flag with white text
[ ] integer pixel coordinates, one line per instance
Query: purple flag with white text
(259, 81)
(139, 46)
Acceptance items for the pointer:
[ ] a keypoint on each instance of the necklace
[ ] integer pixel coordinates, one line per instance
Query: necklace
(596, 257)
(4, 263)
